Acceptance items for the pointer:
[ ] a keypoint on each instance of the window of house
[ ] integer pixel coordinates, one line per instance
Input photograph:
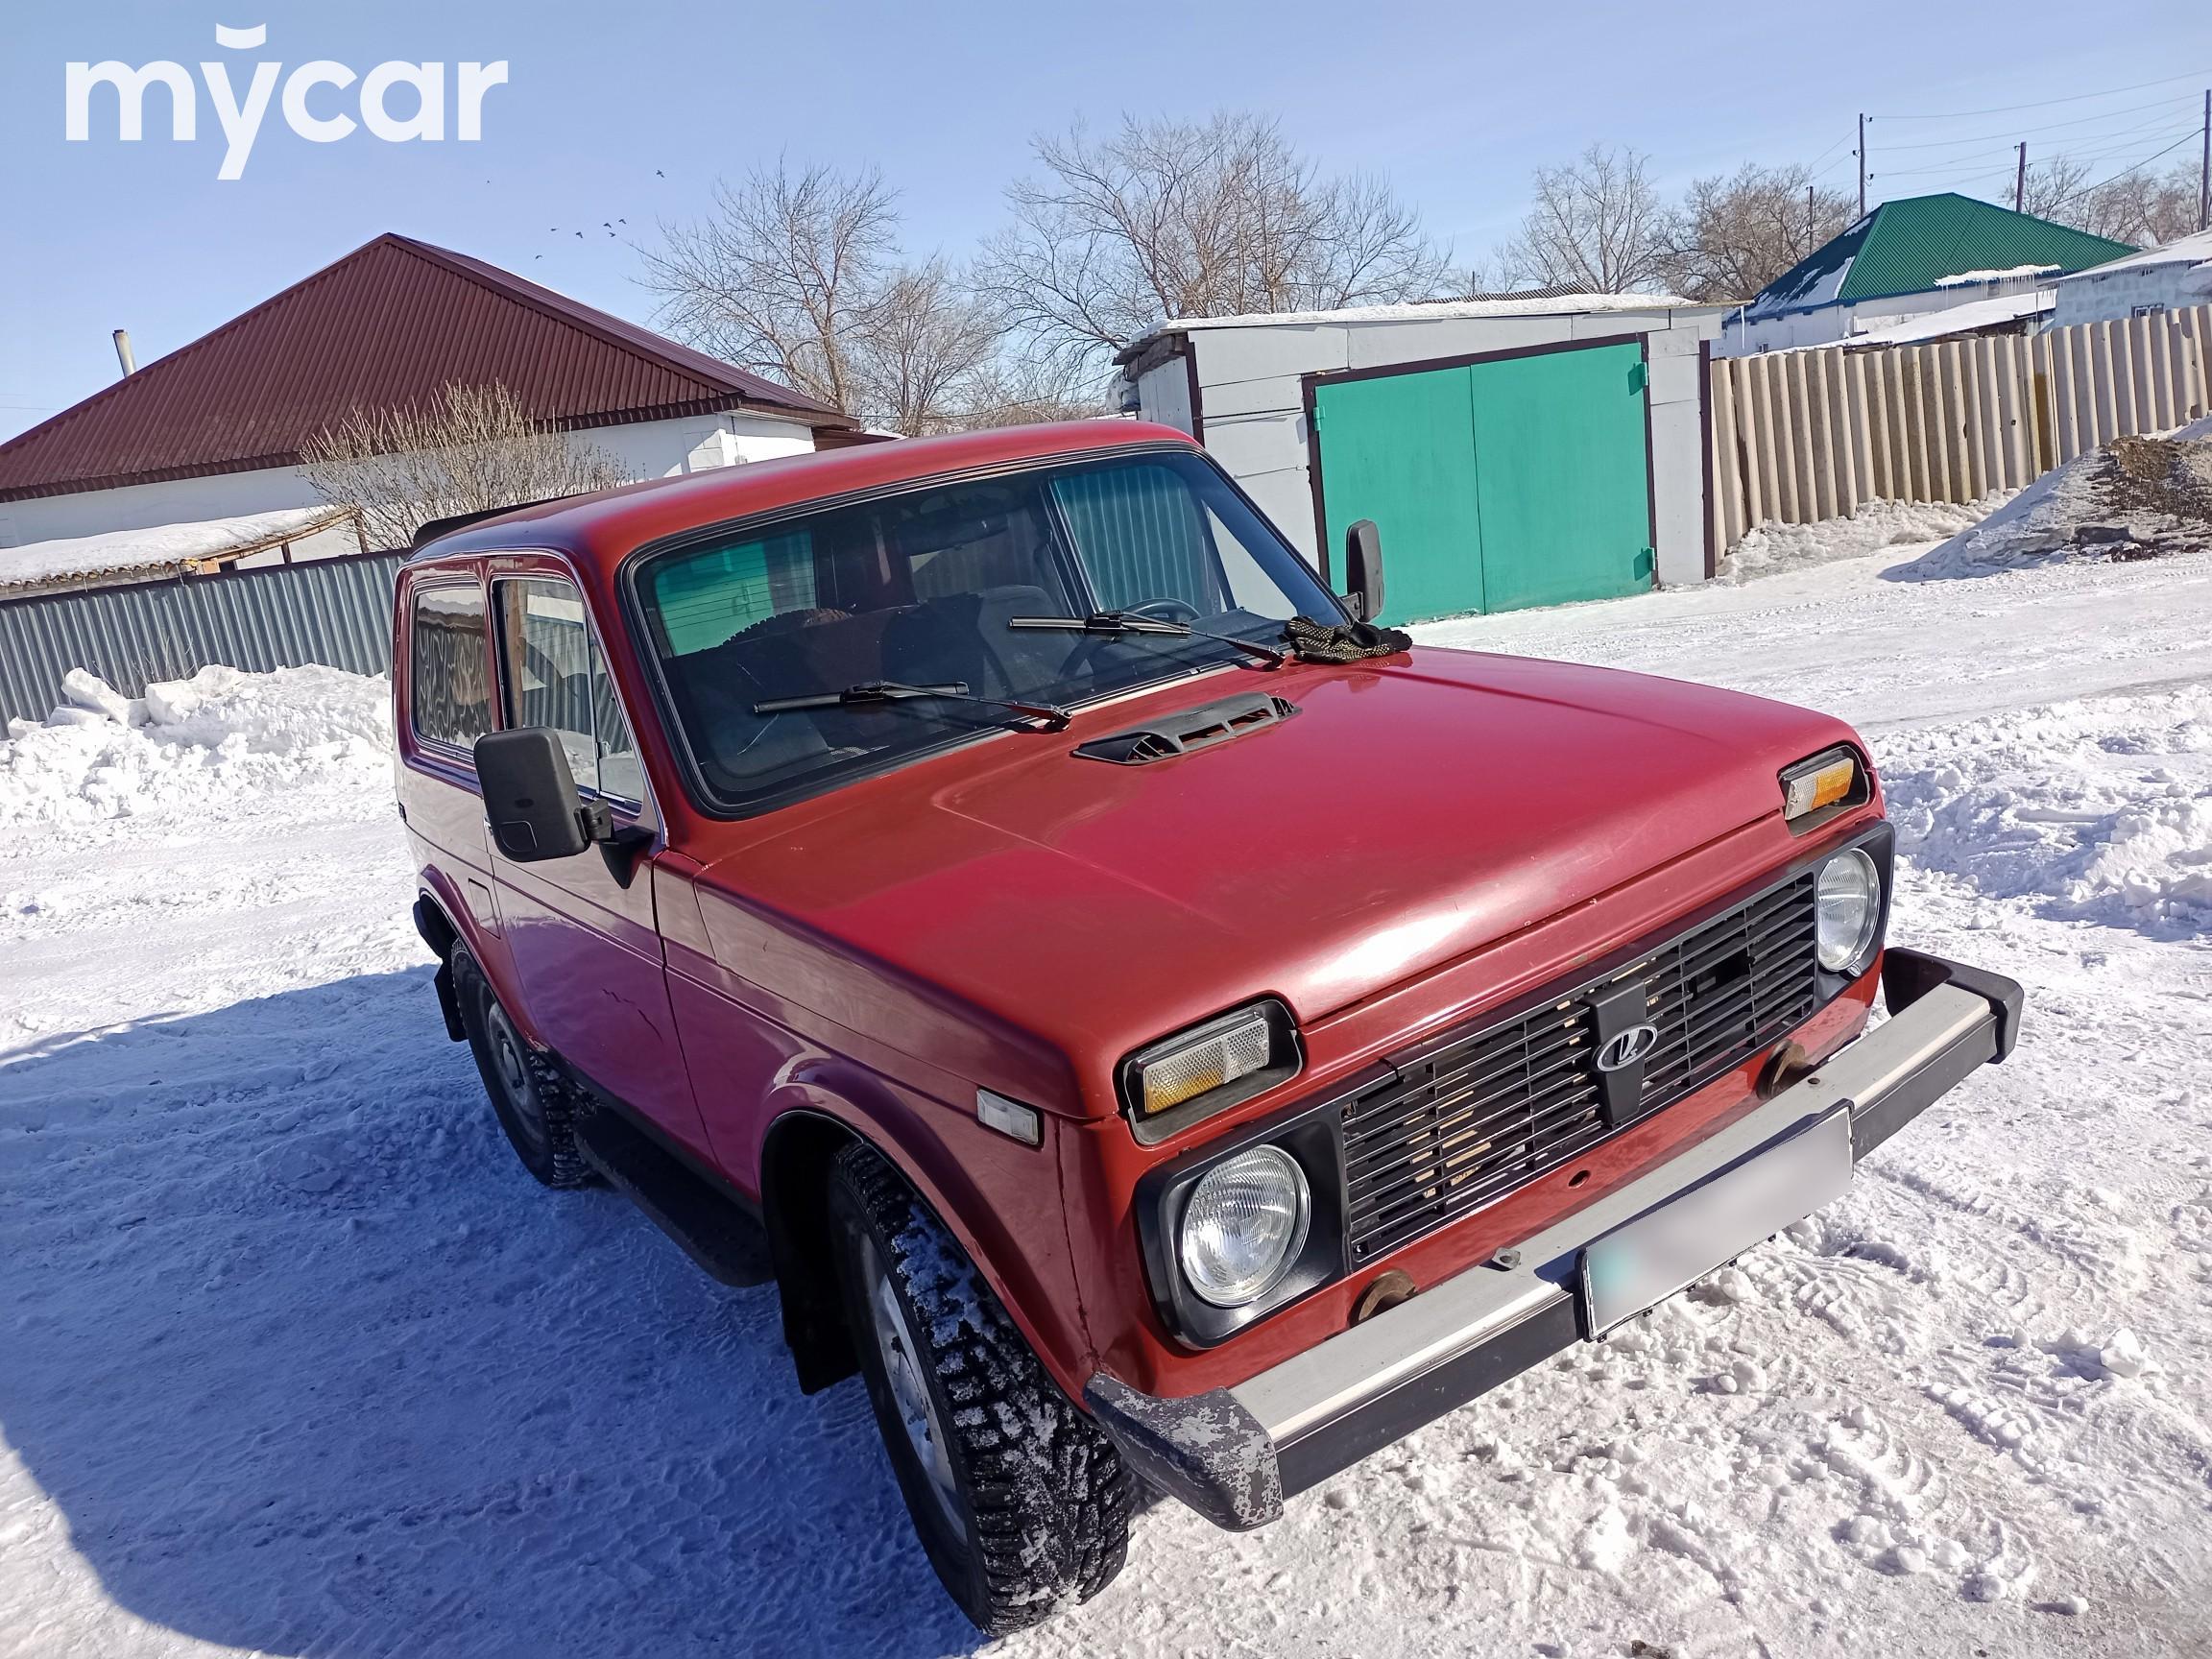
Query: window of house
(448, 694)
(552, 674)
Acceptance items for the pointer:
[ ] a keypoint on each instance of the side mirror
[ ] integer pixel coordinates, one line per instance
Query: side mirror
(530, 795)
(1363, 569)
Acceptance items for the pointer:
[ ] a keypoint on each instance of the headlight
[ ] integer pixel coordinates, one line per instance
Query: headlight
(1848, 906)
(1246, 1223)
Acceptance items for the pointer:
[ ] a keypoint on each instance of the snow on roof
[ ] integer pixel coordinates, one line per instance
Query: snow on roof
(1967, 278)
(161, 545)
(1421, 310)
(1535, 304)
(2191, 250)
(1971, 318)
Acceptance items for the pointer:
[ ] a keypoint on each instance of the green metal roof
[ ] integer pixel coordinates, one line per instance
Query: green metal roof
(1909, 245)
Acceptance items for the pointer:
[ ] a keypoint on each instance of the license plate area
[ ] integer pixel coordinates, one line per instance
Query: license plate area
(1644, 1262)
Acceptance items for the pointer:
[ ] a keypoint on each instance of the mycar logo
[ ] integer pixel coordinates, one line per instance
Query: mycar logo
(241, 114)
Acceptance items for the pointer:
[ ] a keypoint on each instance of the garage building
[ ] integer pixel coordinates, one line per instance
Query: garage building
(1511, 452)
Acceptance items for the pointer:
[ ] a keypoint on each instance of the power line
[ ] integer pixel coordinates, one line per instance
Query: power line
(1830, 151)
(2166, 104)
(1959, 165)
(2062, 201)
(2046, 103)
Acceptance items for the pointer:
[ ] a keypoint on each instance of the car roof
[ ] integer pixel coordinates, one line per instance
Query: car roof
(600, 529)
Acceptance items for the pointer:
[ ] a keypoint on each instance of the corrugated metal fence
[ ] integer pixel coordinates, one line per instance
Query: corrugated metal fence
(331, 611)
(1803, 436)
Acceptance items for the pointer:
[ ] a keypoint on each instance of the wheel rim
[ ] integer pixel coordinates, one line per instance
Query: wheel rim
(511, 1066)
(910, 1395)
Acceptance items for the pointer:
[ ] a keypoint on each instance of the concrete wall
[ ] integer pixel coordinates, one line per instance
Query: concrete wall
(648, 450)
(2101, 298)
(1251, 401)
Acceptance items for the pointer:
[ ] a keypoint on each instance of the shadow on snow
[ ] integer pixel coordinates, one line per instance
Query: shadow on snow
(312, 1367)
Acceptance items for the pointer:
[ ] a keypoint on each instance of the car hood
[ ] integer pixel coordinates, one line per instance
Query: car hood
(1412, 810)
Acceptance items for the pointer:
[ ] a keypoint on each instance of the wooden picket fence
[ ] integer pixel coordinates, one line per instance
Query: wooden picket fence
(1803, 436)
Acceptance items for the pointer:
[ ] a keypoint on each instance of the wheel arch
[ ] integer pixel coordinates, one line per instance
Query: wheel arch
(444, 920)
(1031, 1277)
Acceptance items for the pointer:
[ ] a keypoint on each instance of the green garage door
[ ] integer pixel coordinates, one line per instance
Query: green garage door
(1519, 481)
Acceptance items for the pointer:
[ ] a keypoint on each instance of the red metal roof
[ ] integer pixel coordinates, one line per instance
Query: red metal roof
(389, 324)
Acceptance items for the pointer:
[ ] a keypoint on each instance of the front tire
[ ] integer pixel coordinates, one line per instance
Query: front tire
(1021, 1503)
(536, 1106)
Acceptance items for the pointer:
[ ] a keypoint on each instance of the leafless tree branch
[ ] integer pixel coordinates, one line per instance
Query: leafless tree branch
(1732, 235)
(474, 449)
(1596, 223)
(1160, 219)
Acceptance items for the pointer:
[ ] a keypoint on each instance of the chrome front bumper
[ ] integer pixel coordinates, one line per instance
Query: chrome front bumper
(1235, 1453)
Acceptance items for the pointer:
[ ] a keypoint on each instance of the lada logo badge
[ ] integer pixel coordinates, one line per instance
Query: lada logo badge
(1627, 1048)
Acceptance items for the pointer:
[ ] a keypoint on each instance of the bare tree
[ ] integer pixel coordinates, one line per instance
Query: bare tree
(1161, 218)
(926, 345)
(2137, 206)
(2052, 188)
(1733, 234)
(1596, 222)
(474, 449)
(798, 275)
(782, 274)
(1019, 389)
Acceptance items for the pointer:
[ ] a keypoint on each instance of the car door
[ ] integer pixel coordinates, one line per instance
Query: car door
(586, 945)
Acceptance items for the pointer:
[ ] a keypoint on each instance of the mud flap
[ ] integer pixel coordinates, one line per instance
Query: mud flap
(449, 1004)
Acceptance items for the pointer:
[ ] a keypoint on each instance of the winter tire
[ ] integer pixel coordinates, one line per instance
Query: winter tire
(1021, 1503)
(534, 1104)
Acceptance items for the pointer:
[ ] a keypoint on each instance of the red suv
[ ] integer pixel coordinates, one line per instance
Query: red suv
(1149, 1021)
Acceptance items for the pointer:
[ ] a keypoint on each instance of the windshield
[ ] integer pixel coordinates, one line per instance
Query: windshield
(921, 588)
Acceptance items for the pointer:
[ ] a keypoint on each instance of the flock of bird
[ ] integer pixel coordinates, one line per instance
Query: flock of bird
(606, 225)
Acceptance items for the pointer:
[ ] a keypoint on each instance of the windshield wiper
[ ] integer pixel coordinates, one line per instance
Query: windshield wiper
(868, 691)
(1120, 624)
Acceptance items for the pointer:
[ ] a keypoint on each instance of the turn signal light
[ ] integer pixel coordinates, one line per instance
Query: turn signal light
(1220, 1054)
(1823, 781)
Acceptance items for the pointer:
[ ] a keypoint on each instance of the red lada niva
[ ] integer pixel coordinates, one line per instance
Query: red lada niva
(1151, 1023)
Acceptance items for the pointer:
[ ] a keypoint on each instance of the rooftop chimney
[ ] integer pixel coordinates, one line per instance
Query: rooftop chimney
(122, 352)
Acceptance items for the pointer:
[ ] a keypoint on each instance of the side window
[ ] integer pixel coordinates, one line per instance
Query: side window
(448, 697)
(620, 773)
(552, 674)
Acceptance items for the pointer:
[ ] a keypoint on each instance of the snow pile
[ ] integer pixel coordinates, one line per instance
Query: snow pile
(2135, 498)
(189, 742)
(1773, 548)
(2100, 811)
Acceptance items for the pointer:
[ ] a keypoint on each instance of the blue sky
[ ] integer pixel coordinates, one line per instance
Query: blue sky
(629, 112)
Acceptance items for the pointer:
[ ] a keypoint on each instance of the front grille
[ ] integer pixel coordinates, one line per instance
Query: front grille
(1481, 1115)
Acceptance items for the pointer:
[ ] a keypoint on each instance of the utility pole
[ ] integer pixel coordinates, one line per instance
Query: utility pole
(1862, 162)
(2020, 178)
(1812, 225)
(2204, 170)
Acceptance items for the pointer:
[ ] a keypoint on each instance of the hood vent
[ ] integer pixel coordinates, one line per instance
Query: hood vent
(1189, 729)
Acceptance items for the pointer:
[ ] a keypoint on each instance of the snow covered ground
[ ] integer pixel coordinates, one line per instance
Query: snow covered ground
(293, 1360)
